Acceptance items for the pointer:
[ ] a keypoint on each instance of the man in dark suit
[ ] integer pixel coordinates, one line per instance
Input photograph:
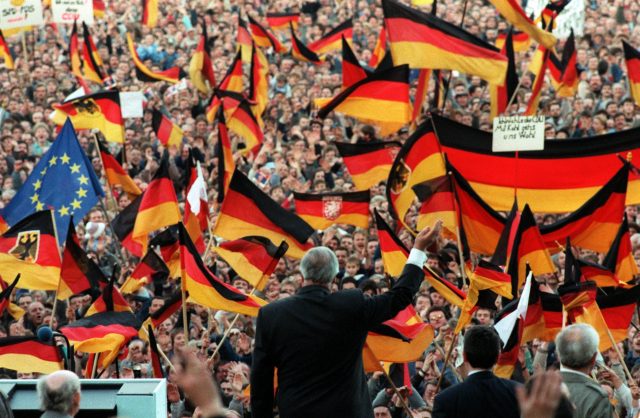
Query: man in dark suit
(315, 339)
(482, 394)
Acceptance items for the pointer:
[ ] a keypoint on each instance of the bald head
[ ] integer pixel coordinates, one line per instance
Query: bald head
(60, 392)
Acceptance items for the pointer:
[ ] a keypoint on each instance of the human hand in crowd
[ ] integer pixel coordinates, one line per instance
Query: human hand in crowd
(544, 397)
(196, 381)
(427, 236)
(244, 343)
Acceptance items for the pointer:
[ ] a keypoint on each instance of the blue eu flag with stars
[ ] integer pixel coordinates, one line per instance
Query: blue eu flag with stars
(63, 180)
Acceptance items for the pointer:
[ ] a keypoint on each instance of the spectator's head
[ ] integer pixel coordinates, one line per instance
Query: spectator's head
(319, 266)
(481, 347)
(60, 392)
(577, 346)
(381, 411)
(437, 317)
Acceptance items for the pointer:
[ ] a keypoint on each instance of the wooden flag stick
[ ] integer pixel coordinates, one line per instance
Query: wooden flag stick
(446, 362)
(405, 406)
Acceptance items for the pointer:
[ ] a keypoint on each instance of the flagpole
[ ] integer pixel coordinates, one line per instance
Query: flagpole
(446, 362)
(231, 324)
(185, 324)
(405, 406)
(620, 357)
(96, 356)
(164, 356)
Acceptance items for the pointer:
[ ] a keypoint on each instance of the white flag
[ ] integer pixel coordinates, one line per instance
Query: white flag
(197, 192)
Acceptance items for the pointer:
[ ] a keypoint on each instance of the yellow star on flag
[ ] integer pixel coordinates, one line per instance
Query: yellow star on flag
(37, 185)
(76, 204)
(53, 161)
(84, 179)
(65, 158)
(40, 206)
(63, 211)
(75, 168)
(81, 192)
(35, 198)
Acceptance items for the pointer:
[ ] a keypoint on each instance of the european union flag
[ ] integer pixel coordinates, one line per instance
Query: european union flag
(63, 180)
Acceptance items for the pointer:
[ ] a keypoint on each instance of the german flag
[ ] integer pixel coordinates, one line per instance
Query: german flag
(528, 249)
(501, 94)
(570, 76)
(485, 277)
(79, 273)
(388, 90)
(595, 224)
(244, 123)
(331, 41)
(263, 38)
(258, 82)
(404, 338)
(99, 9)
(29, 355)
(171, 306)
(144, 73)
(558, 179)
(424, 41)
(600, 275)
(282, 21)
(151, 265)
(422, 91)
(158, 205)
(482, 224)
(30, 248)
(513, 13)
(247, 210)
(510, 324)
(115, 174)
(196, 206)
(394, 253)
(379, 49)
(438, 202)
(536, 89)
(206, 289)
(99, 110)
(123, 225)
(6, 53)
(102, 332)
(619, 258)
(301, 52)
(352, 71)
(226, 164)
(150, 13)
(244, 40)
(253, 258)
(167, 243)
(111, 300)
(166, 131)
(419, 160)
(74, 53)
(579, 301)
(368, 164)
(93, 67)
(618, 306)
(201, 68)
(326, 209)
(232, 82)
(632, 59)
(154, 353)
(5, 299)
(550, 13)
(555, 70)
(521, 41)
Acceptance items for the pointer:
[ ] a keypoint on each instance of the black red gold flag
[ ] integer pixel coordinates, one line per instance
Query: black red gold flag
(352, 71)
(617, 306)
(326, 209)
(166, 131)
(226, 163)
(437, 203)
(123, 225)
(501, 94)
(425, 41)
(93, 67)
(201, 68)
(619, 259)
(380, 49)
(302, 52)
(263, 38)
(5, 299)
(111, 300)
(244, 40)
(150, 266)
(632, 59)
(79, 273)
(521, 41)
(513, 13)
(364, 100)
(154, 353)
(115, 174)
(144, 73)
(150, 13)
(247, 210)
(29, 355)
(282, 21)
(5, 52)
(331, 41)
(370, 163)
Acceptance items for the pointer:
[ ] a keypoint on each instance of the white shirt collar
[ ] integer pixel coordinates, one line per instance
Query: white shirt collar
(568, 370)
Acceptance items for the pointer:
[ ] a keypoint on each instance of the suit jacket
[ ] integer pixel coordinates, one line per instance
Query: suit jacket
(315, 340)
(481, 395)
(590, 399)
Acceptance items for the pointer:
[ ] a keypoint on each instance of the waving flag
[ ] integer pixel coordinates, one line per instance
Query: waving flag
(331, 41)
(352, 71)
(326, 209)
(513, 13)
(111, 300)
(196, 207)
(150, 13)
(144, 73)
(247, 210)
(63, 180)
(93, 67)
(201, 68)
(282, 21)
(424, 41)
(167, 132)
(370, 163)
(29, 355)
(123, 225)
(244, 40)
(6, 53)
(300, 51)
(115, 174)
(151, 265)
(100, 110)
(226, 163)
(263, 38)
(569, 77)
(632, 59)
(5, 299)
(502, 94)
(258, 82)
(380, 49)
(521, 41)
(438, 203)
(619, 259)
(536, 89)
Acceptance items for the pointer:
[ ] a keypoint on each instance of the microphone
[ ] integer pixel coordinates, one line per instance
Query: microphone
(44, 333)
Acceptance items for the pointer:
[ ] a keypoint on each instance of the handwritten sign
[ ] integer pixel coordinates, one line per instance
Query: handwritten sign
(518, 133)
(19, 13)
(67, 11)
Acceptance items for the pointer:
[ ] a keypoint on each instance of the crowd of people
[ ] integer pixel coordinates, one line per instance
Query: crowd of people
(298, 154)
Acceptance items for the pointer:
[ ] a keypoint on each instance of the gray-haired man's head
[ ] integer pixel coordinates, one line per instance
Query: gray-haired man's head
(60, 392)
(577, 346)
(319, 265)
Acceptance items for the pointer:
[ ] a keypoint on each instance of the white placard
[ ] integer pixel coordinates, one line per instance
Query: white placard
(518, 133)
(131, 104)
(68, 11)
(19, 13)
